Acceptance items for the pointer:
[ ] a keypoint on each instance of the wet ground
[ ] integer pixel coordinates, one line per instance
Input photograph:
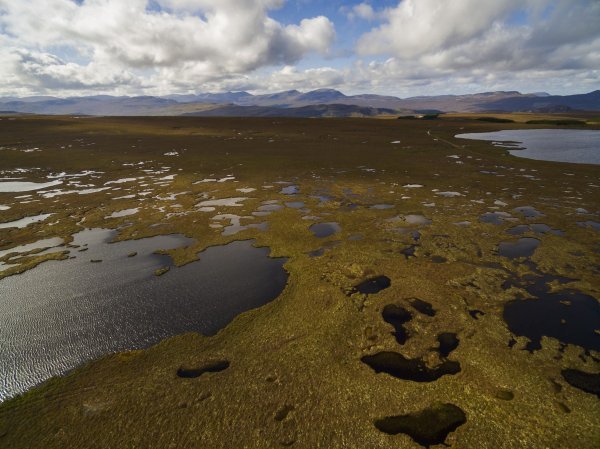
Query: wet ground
(440, 291)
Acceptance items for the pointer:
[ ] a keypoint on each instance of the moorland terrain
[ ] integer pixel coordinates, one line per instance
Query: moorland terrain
(397, 325)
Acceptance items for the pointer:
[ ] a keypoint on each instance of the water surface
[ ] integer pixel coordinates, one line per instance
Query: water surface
(63, 313)
(579, 146)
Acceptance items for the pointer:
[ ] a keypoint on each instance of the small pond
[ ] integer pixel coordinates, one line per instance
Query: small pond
(322, 230)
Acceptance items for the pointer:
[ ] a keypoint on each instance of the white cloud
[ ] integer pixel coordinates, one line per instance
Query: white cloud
(69, 47)
(417, 26)
(361, 11)
(471, 34)
(208, 39)
(291, 78)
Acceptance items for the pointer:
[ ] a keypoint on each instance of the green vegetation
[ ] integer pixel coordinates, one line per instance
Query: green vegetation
(289, 374)
(161, 271)
(495, 120)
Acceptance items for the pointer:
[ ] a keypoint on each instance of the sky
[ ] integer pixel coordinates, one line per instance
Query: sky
(388, 47)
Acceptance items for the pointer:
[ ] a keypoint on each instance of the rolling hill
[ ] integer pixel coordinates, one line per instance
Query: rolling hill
(293, 103)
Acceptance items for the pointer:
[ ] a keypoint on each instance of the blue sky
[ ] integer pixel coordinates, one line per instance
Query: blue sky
(393, 47)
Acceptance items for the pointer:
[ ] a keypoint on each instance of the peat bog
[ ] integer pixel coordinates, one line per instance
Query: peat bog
(436, 290)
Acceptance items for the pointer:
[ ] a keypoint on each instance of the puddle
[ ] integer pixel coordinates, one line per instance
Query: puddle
(63, 313)
(589, 224)
(269, 207)
(541, 228)
(321, 251)
(397, 365)
(496, 218)
(373, 285)
(588, 382)
(524, 247)
(528, 212)
(538, 228)
(449, 194)
(294, 204)
(23, 186)
(290, 190)
(322, 230)
(417, 220)
(382, 206)
(518, 230)
(121, 181)
(225, 202)
(475, 313)
(221, 180)
(235, 225)
(409, 251)
(322, 198)
(317, 253)
(397, 316)
(59, 192)
(448, 342)
(24, 222)
(427, 427)
(124, 213)
(209, 367)
(422, 307)
(568, 315)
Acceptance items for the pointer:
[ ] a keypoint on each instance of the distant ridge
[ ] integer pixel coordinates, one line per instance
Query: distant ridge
(300, 104)
(319, 110)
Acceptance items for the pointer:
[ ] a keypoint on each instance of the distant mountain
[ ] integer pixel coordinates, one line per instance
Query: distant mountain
(28, 99)
(322, 96)
(96, 105)
(294, 99)
(582, 102)
(225, 97)
(320, 110)
(330, 102)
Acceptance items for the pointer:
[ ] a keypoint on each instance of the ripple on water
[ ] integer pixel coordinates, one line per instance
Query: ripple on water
(61, 314)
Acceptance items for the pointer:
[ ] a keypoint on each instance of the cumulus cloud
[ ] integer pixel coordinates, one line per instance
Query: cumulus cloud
(361, 11)
(165, 46)
(463, 34)
(417, 26)
(206, 38)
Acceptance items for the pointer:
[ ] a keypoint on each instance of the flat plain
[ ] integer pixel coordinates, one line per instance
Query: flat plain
(401, 324)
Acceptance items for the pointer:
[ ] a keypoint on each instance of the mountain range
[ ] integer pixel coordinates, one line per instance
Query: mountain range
(293, 103)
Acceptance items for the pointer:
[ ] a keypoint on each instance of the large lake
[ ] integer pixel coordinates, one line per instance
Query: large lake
(63, 313)
(560, 145)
